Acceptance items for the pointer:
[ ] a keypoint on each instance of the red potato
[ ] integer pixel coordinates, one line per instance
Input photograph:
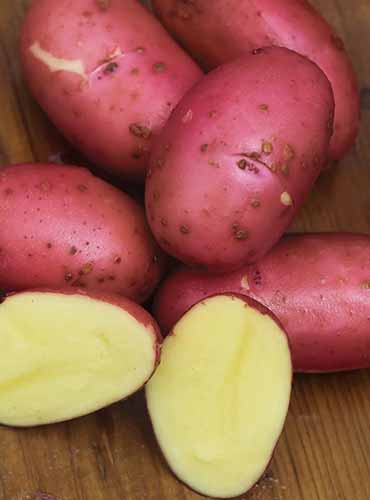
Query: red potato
(107, 74)
(318, 285)
(219, 398)
(237, 159)
(75, 353)
(222, 30)
(61, 227)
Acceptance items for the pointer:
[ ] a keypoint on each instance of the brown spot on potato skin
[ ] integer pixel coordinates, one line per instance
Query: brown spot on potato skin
(134, 71)
(242, 164)
(49, 245)
(187, 118)
(45, 186)
(264, 107)
(82, 188)
(159, 67)
(255, 203)
(140, 131)
(68, 277)
(366, 285)
(86, 269)
(267, 148)
(204, 148)
(72, 250)
(212, 114)
(257, 277)
(239, 233)
(284, 169)
(136, 155)
(184, 229)
(213, 163)
(103, 4)
(117, 259)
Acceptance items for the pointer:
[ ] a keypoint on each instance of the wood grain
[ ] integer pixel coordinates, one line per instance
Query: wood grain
(324, 453)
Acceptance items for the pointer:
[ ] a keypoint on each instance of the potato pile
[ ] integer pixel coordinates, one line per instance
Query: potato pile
(227, 153)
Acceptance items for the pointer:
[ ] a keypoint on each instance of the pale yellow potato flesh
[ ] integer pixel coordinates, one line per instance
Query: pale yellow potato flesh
(63, 356)
(219, 398)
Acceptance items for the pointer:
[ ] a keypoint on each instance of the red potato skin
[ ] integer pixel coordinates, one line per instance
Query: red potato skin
(244, 135)
(136, 74)
(222, 30)
(318, 286)
(62, 227)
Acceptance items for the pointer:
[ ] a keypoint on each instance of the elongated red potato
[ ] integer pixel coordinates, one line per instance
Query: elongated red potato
(318, 285)
(62, 227)
(220, 395)
(67, 354)
(218, 31)
(238, 157)
(107, 74)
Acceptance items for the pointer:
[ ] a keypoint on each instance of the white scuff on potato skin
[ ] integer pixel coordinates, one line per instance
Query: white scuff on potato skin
(58, 64)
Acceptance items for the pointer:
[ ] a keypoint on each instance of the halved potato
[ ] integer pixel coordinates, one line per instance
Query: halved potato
(219, 398)
(65, 355)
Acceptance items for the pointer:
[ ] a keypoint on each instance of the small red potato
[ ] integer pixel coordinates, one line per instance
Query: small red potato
(62, 227)
(317, 285)
(218, 31)
(219, 398)
(107, 74)
(237, 159)
(67, 354)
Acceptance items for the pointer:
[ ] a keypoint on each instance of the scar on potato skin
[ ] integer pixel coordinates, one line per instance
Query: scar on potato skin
(366, 285)
(56, 63)
(140, 131)
(110, 68)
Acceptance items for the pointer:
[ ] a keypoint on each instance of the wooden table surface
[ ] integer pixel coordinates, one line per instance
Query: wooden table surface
(324, 453)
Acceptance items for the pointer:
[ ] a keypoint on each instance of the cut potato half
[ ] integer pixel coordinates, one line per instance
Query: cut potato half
(65, 355)
(219, 398)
